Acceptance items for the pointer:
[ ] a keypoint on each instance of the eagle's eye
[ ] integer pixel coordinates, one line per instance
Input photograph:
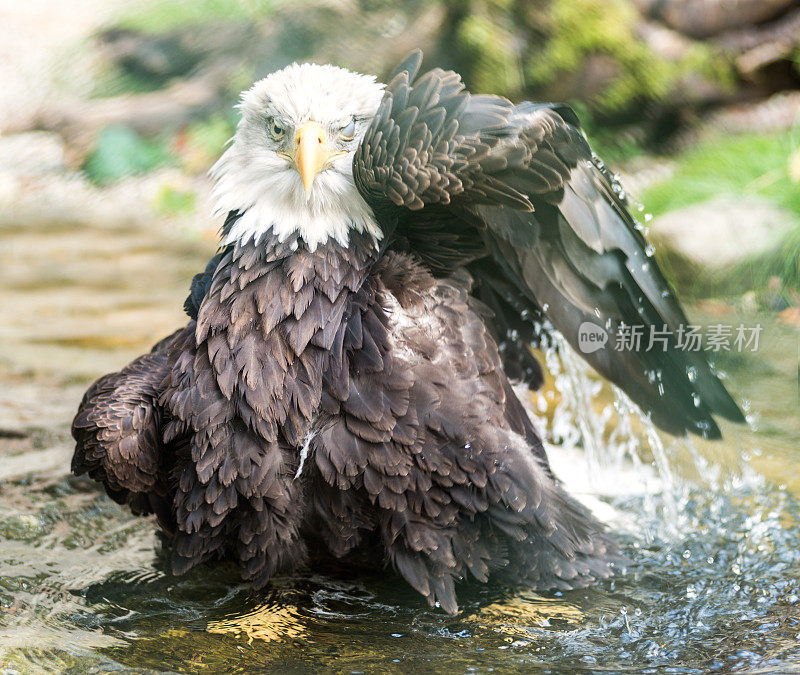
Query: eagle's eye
(276, 130)
(349, 131)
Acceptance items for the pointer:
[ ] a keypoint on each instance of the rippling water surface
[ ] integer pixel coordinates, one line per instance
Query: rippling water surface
(713, 530)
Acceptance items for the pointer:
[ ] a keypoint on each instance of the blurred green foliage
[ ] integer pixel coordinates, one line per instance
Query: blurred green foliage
(171, 201)
(120, 151)
(614, 144)
(584, 50)
(741, 164)
(162, 16)
(520, 48)
(782, 263)
(206, 138)
(486, 41)
(581, 28)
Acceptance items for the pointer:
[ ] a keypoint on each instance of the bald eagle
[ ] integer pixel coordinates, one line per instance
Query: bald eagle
(342, 384)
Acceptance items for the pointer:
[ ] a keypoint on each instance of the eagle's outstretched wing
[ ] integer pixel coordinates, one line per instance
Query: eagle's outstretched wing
(514, 193)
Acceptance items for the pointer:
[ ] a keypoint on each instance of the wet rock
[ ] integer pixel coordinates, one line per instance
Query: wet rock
(723, 231)
(777, 113)
(704, 18)
(667, 43)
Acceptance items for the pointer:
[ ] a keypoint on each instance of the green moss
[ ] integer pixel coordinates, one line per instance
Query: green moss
(120, 151)
(756, 164)
(581, 28)
(575, 30)
(161, 16)
(487, 46)
(707, 62)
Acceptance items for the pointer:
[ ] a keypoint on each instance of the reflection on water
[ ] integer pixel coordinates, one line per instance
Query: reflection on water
(268, 622)
(83, 584)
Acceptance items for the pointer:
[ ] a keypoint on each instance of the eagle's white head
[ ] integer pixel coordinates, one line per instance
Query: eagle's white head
(289, 168)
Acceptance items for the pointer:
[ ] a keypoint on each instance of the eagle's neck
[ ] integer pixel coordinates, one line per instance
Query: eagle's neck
(270, 251)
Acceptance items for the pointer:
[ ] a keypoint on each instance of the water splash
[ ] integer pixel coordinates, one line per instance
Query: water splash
(634, 206)
(576, 421)
(622, 449)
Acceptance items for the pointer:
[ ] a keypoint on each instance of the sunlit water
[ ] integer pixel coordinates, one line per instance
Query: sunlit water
(712, 528)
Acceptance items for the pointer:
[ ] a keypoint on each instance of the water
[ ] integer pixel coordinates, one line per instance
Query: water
(712, 526)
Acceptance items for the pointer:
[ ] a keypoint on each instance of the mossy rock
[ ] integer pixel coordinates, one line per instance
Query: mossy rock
(584, 50)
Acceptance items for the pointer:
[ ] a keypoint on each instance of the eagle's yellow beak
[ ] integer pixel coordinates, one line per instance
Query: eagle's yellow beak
(312, 153)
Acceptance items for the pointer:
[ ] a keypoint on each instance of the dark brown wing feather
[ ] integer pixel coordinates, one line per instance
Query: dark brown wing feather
(556, 237)
(118, 435)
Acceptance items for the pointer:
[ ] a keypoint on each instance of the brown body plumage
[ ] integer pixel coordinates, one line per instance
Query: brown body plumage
(339, 382)
(393, 383)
